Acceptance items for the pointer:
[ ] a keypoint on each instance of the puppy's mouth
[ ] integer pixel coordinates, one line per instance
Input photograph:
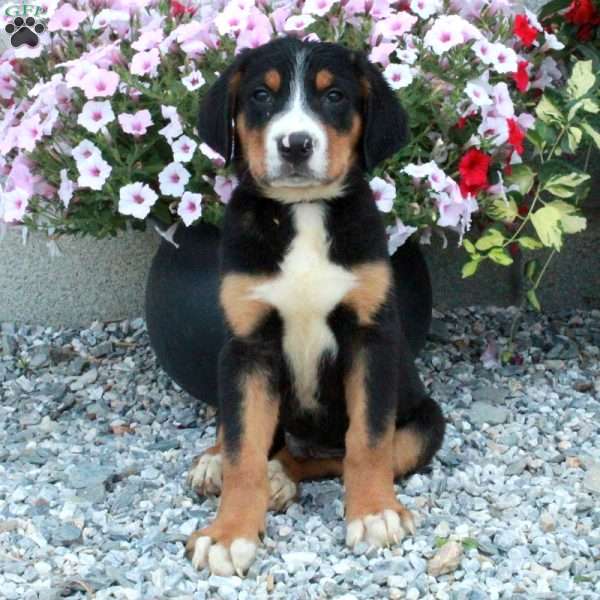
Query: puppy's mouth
(294, 177)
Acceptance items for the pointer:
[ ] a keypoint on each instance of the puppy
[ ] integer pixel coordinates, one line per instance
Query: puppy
(316, 377)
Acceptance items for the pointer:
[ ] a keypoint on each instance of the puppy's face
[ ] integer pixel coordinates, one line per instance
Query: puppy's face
(302, 117)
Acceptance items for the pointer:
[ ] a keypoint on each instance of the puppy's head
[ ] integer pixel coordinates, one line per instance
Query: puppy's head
(300, 115)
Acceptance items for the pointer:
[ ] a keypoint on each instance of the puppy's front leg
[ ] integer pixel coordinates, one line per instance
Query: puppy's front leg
(373, 513)
(249, 410)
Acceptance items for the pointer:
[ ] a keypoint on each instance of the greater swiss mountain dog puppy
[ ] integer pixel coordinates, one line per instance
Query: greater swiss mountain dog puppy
(316, 377)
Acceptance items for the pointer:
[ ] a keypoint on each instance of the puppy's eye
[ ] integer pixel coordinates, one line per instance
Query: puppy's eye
(334, 96)
(261, 95)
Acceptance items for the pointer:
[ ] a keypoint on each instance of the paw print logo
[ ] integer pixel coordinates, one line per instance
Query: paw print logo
(24, 31)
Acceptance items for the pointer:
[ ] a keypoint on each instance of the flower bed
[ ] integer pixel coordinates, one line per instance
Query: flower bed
(97, 125)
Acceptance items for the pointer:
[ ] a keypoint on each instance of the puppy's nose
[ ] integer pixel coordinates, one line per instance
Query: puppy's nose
(295, 147)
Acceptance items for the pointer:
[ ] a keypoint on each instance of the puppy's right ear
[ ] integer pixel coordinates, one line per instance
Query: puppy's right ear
(217, 111)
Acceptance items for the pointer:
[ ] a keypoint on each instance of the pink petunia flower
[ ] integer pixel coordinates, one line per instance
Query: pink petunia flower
(504, 59)
(93, 173)
(100, 83)
(136, 124)
(193, 81)
(13, 205)
(256, 31)
(136, 199)
(398, 234)
(66, 189)
(384, 193)
(398, 76)
(145, 63)
(84, 150)
(477, 94)
(213, 156)
(425, 8)
(224, 187)
(443, 35)
(148, 40)
(95, 115)
(183, 149)
(66, 18)
(395, 26)
(29, 133)
(173, 179)
(298, 24)
(318, 8)
(190, 208)
(381, 53)
(173, 129)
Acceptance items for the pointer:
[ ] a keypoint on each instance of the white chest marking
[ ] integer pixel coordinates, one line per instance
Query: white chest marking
(308, 288)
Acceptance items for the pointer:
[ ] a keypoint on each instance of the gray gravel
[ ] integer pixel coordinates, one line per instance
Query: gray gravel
(95, 442)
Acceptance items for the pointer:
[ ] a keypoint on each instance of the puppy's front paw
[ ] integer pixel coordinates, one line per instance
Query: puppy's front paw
(206, 475)
(380, 529)
(220, 556)
(282, 489)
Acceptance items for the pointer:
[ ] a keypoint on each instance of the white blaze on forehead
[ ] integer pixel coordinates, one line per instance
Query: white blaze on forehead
(296, 117)
(308, 288)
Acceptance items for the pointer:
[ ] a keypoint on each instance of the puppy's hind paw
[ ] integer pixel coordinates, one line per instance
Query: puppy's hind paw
(206, 475)
(381, 529)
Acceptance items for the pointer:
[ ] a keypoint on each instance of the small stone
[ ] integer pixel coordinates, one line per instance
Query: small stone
(40, 358)
(484, 412)
(490, 394)
(442, 530)
(445, 560)
(591, 480)
(438, 331)
(84, 380)
(298, 560)
(547, 522)
(9, 345)
(66, 535)
(101, 349)
(77, 365)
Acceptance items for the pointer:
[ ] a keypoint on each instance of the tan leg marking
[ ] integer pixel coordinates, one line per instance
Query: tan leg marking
(373, 513)
(341, 148)
(323, 79)
(253, 147)
(408, 447)
(273, 80)
(374, 280)
(242, 311)
(229, 544)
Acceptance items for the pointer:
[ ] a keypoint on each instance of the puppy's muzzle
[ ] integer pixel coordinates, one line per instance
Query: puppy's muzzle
(295, 148)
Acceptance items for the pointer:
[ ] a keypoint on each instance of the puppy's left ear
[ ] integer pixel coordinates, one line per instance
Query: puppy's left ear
(385, 125)
(217, 111)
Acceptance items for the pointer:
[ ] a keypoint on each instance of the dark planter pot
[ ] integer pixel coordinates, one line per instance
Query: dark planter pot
(184, 320)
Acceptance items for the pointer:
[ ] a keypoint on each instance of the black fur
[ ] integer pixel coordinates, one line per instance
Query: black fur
(258, 232)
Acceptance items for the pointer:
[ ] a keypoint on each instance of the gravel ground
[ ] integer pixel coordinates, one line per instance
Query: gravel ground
(95, 442)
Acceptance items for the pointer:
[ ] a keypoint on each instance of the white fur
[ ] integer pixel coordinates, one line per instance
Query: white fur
(291, 194)
(379, 530)
(295, 118)
(222, 560)
(309, 287)
(206, 477)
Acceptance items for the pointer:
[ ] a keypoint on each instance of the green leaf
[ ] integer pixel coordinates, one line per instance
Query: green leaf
(595, 135)
(564, 186)
(531, 268)
(574, 135)
(546, 221)
(582, 79)
(500, 256)
(547, 112)
(569, 221)
(536, 138)
(522, 176)
(470, 268)
(529, 243)
(552, 7)
(502, 210)
(586, 104)
(468, 244)
(533, 300)
(491, 238)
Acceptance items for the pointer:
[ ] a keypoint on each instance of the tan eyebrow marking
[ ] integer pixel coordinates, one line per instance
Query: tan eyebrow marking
(273, 80)
(323, 79)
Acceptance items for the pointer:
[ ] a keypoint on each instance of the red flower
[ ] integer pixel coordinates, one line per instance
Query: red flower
(582, 12)
(521, 77)
(179, 9)
(586, 32)
(524, 31)
(515, 135)
(473, 168)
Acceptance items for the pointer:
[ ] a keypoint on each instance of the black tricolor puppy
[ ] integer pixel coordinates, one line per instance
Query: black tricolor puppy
(316, 357)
